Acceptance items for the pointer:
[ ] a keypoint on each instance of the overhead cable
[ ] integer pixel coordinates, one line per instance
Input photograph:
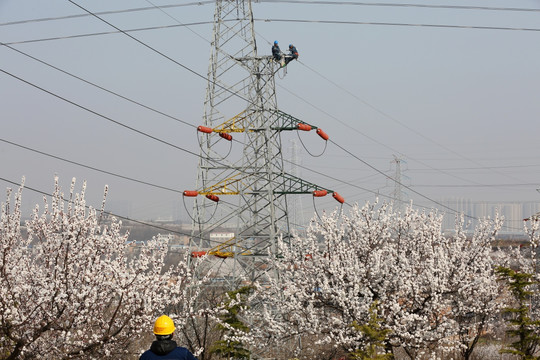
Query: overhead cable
(98, 114)
(91, 167)
(394, 180)
(98, 86)
(436, 143)
(333, 3)
(428, 6)
(111, 12)
(345, 22)
(160, 53)
(105, 33)
(105, 212)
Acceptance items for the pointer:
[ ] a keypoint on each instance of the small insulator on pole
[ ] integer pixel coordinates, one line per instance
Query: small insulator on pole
(204, 129)
(304, 127)
(191, 193)
(226, 136)
(212, 197)
(338, 197)
(320, 193)
(322, 134)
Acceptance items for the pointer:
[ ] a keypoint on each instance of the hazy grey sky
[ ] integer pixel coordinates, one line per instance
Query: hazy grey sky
(456, 99)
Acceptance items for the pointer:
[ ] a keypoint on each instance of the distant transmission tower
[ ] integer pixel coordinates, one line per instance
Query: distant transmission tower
(397, 195)
(241, 152)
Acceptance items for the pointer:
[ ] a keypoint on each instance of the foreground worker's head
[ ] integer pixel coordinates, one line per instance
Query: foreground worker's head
(290, 46)
(164, 327)
(275, 42)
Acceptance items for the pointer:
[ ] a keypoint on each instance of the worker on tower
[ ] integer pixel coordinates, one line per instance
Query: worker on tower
(293, 54)
(276, 52)
(164, 347)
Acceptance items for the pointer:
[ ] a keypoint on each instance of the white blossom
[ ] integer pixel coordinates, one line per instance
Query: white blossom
(67, 288)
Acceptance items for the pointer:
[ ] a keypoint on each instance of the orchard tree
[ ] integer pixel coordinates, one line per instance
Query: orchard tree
(473, 290)
(68, 289)
(433, 291)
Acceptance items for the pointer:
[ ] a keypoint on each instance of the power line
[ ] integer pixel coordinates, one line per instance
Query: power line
(483, 167)
(101, 13)
(98, 86)
(394, 180)
(479, 185)
(429, 6)
(336, 22)
(160, 53)
(410, 129)
(344, 22)
(106, 33)
(333, 3)
(105, 212)
(98, 114)
(365, 135)
(91, 167)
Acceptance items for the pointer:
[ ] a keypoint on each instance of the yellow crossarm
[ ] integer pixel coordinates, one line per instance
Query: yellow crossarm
(234, 124)
(229, 186)
(224, 250)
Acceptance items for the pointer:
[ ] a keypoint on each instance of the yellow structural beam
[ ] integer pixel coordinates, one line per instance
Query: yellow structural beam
(234, 124)
(229, 186)
(224, 250)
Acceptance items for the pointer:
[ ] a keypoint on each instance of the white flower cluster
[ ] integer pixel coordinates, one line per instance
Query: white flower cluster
(431, 290)
(67, 287)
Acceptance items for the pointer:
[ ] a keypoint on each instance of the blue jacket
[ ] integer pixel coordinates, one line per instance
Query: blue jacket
(276, 52)
(293, 52)
(166, 350)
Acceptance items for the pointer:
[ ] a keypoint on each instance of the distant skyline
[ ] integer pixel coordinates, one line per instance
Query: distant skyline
(458, 105)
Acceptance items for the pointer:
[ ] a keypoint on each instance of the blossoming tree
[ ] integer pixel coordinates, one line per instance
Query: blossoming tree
(68, 289)
(431, 290)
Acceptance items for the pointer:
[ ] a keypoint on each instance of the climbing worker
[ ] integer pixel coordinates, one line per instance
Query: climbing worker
(164, 347)
(293, 54)
(276, 52)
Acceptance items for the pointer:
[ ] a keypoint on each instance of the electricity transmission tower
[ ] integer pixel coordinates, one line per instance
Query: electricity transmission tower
(397, 194)
(241, 180)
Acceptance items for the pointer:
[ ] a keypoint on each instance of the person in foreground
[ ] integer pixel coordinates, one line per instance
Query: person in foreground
(164, 348)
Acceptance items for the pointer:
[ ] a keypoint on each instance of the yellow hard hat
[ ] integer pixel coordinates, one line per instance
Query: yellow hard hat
(164, 325)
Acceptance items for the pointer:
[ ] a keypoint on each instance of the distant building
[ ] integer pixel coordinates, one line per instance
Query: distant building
(513, 212)
(217, 238)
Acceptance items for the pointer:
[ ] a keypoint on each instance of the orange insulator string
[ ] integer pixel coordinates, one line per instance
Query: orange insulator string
(320, 193)
(205, 129)
(304, 127)
(191, 193)
(338, 197)
(198, 254)
(322, 134)
(212, 197)
(226, 136)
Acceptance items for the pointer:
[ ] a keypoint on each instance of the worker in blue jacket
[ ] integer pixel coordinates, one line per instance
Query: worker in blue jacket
(293, 54)
(164, 348)
(276, 52)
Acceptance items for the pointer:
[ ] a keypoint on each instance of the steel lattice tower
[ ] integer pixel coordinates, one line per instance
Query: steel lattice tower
(241, 103)
(397, 195)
